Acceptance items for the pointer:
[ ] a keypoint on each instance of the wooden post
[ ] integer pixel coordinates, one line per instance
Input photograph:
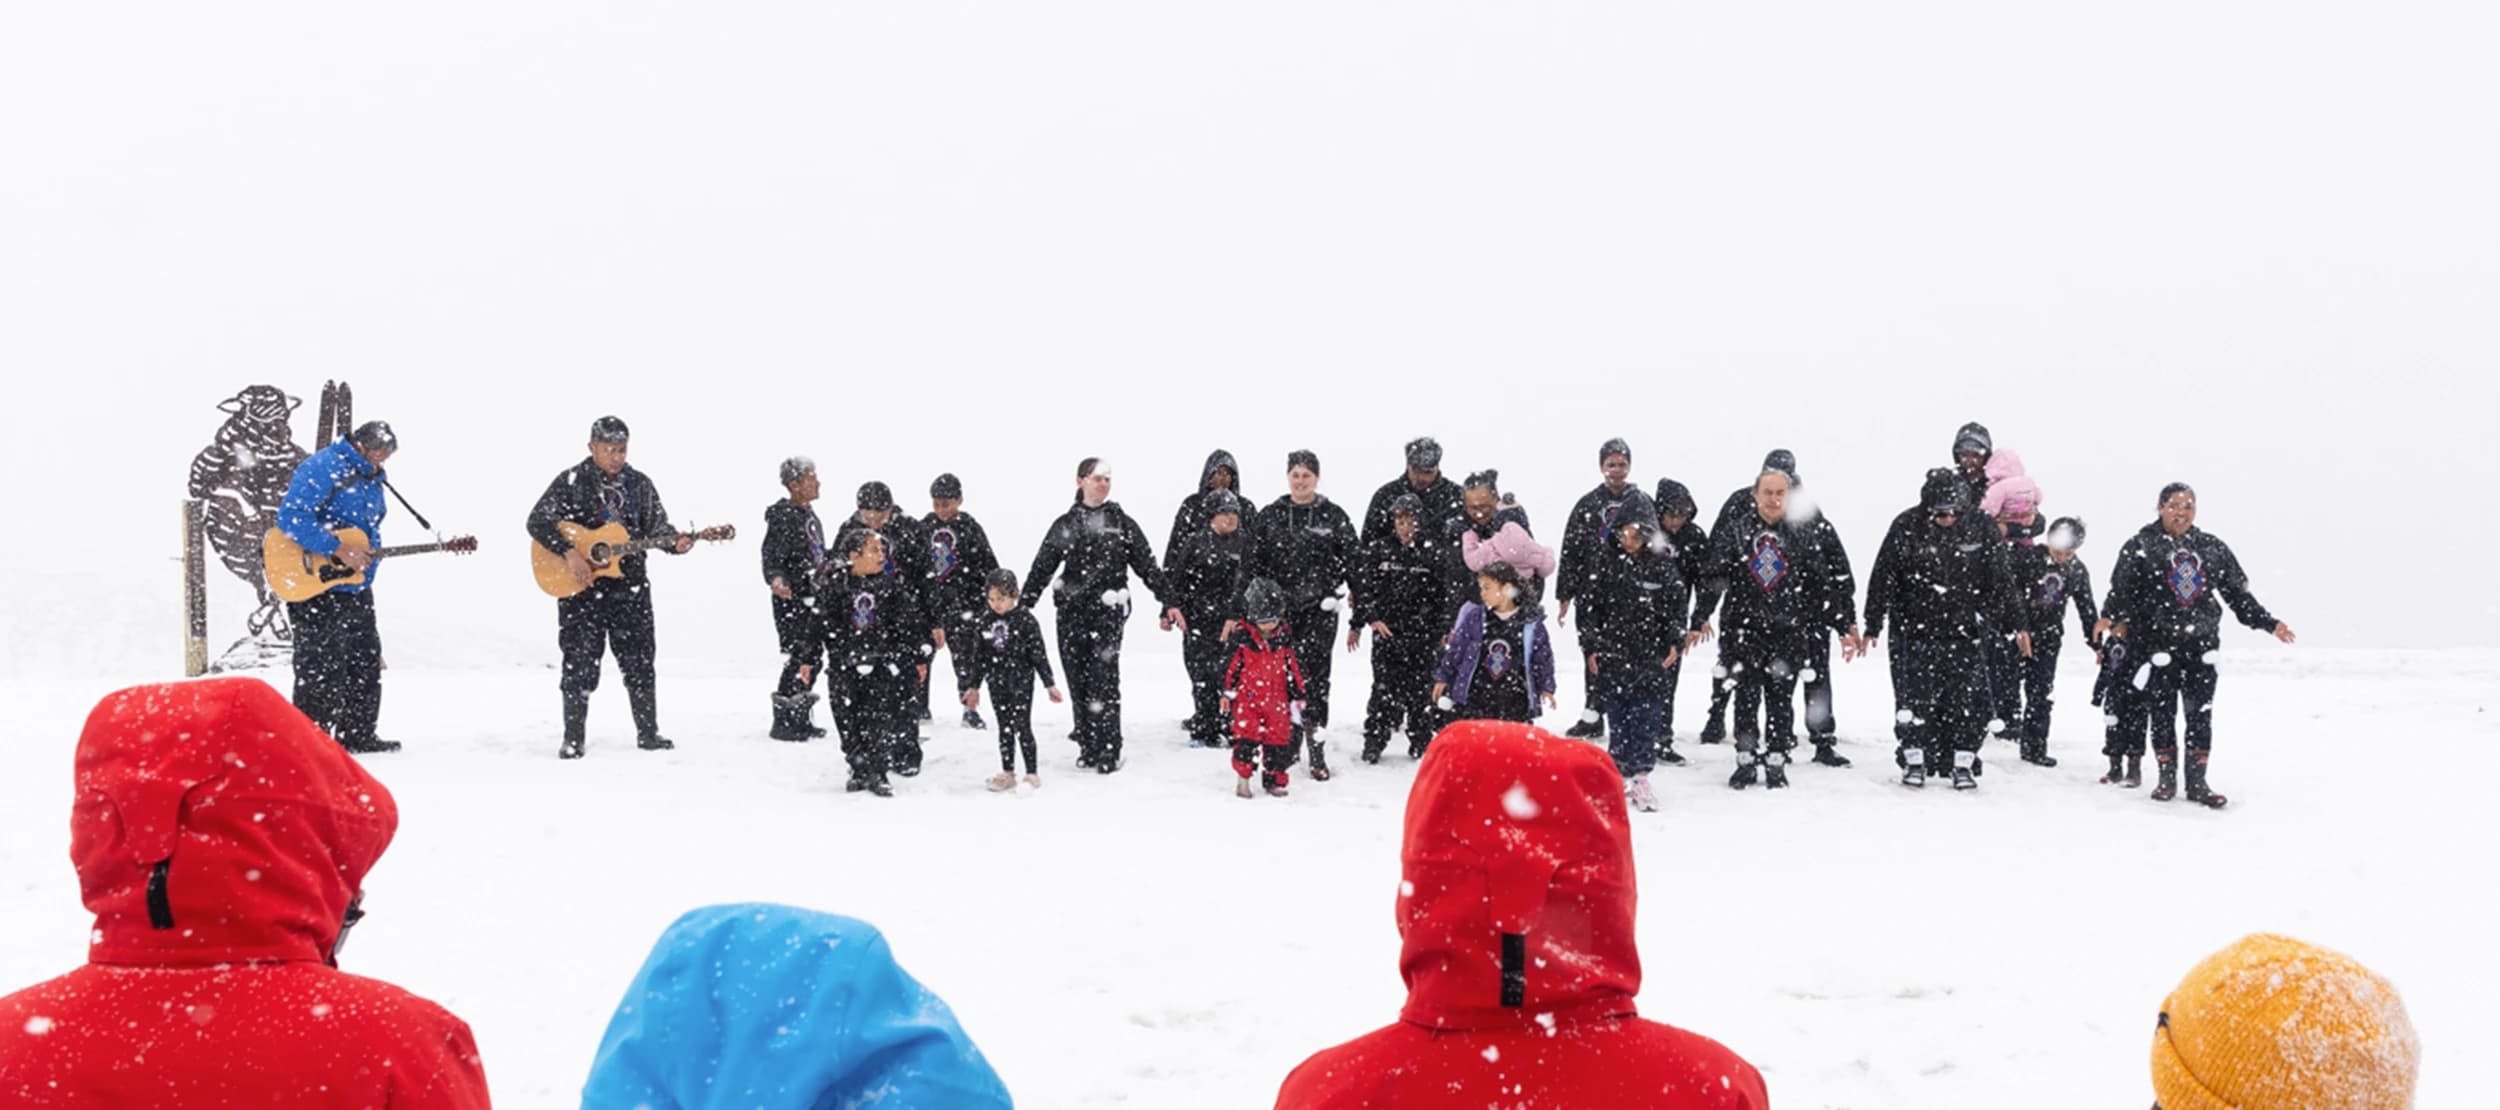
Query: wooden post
(194, 591)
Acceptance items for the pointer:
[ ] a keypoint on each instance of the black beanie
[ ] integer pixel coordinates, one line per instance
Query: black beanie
(875, 495)
(374, 435)
(1944, 489)
(608, 429)
(1424, 453)
(1615, 446)
(947, 487)
(1782, 460)
(1303, 458)
(1218, 502)
(1973, 439)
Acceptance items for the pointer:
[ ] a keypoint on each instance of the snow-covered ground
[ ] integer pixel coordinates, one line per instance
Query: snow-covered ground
(1148, 940)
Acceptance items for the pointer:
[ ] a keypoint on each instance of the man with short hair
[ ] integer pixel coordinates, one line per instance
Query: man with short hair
(609, 612)
(338, 649)
(1588, 537)
(794, 564)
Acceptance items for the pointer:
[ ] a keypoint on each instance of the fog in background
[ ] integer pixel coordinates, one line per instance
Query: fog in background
(2250, 248)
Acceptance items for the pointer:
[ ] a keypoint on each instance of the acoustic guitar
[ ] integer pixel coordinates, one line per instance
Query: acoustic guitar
(299, 575)
(606, 547)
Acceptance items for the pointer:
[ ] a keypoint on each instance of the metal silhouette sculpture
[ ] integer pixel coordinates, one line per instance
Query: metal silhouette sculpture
(240, 478)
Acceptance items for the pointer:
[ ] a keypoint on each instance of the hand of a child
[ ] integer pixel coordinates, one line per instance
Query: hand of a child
(1055, 698)
(972, 698)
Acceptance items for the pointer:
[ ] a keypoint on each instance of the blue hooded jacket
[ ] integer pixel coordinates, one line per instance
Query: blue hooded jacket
(760, 1005)
(335, 487)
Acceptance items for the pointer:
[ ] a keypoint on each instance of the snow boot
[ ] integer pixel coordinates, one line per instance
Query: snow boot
(1319, 756)
(370, 745)
(973, 721)
(1372, 749)
(881, 788)
(1714, 733)
(1670, 757)
(2168, 766)
(2197, 789)
(1639, 796)
(2117, 771)
(789, 717)
(654, 742)
(1775, 771)
(570, 749)
(1744, 775)
(1590, 726)
(1913, 767)
(1275, 784)
(1964, 764)
(2036, 752)
(1827, 755)
(2135, 772)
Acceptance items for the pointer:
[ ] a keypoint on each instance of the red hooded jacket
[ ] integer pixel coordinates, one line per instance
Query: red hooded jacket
(1262, 681)
(1516, 910)
(221, 839)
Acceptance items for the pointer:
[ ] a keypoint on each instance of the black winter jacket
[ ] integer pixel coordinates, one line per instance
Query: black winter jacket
(1950, 583)
(2170, 589)
(1088, 554)
(587, 496)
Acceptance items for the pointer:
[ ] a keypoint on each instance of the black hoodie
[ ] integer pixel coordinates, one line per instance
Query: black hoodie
(960, 561)
(1590, 531)
(1775, 578)
(1203, 574)
(1191, 518)
(1442, 500)
(1974, 433)
(2165, 589)
(1088, 554)
(1308, 550)
(1405, 586)
(906, 558)
(1951, 582)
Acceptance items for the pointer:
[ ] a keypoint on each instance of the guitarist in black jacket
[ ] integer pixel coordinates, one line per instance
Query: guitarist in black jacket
(609, 612)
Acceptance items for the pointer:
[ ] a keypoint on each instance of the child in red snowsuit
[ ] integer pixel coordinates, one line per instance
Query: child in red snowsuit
(1263, 693)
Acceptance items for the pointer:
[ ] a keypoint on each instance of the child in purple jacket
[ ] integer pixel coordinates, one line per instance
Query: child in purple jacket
(1500, 661)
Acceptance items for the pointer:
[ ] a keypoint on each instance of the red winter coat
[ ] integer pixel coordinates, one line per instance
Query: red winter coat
(1262, 682)
(1516, 911)
(221, 839)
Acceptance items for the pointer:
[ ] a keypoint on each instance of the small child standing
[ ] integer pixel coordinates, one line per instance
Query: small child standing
(879, 646)
(2049, 576)
(1008, 653)
(1263, 690)
(1500, 662)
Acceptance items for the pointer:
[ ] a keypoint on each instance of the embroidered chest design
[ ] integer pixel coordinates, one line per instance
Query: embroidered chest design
(998, 635)
(942, 560)
(1769, 564)
(863, 611)
(1497, 659)
(2187, 577)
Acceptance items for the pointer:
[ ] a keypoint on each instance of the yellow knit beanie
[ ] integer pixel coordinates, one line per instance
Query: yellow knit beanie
(2272, 1023)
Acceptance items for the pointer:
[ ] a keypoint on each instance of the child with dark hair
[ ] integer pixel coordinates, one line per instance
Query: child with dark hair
(960, 560)
(1500, 660)
(1201, 572)
(2048, 576)
(1007, 652)
(879, 647)
(1263, 690)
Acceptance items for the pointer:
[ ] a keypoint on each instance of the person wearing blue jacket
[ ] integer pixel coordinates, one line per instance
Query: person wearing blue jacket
(762, 1005)
(338, 649)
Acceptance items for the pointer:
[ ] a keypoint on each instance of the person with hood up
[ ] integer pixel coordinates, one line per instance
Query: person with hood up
(222, 841)
(1401, 595)
(1682, 540)
(2273, 1023)
(2165, 601)
(1264, 690)
(1942, 581)
(1194, 513)
(1737, 512)
(1785, 591)
(2047, 575)
(1516, 911)
(1204, 573)
(794, 563)
(1438, 497)
(767, 1006)
(1498, 662)
(960, 560)
(1085, 561)
(1306, 545)
(1633, 627)
(1589, 534)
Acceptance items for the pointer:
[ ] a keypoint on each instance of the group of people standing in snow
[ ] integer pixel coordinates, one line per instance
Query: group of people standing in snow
(1447, 578)
(1971, 583)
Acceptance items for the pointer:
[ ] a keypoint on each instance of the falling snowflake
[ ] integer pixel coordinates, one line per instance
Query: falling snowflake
(1492, 1055)
(1518, 804)
(38, 1026)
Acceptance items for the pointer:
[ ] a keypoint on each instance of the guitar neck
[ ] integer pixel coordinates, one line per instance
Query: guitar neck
(409, 549)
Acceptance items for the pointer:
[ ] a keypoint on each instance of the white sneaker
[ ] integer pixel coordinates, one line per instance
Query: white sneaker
(1639, 795)
(1004, 780)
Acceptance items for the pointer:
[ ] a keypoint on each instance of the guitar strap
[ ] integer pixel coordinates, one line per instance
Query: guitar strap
(378, 476)
(403, 503)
